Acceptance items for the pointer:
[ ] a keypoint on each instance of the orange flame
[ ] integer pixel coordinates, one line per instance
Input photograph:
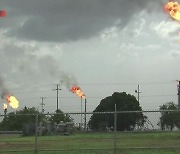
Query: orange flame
(77, 90)
(4, 106)
(13, 102)
(2, 13)
(174, 9)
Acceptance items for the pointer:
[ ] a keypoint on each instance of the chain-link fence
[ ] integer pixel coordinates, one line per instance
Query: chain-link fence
(100, 132)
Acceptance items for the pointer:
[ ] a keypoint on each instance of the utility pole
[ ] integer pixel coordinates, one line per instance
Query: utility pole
(138, 92)
(57, 90)
(178, 86)
(42, 104)
(81, 112)
(85, 126)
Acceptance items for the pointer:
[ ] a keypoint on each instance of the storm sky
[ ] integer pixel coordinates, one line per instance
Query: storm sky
(104, 46)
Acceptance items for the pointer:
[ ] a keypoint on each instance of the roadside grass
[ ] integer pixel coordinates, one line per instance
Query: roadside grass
(95, 143)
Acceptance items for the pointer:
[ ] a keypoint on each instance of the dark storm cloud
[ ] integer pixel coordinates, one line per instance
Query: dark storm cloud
(68, 20)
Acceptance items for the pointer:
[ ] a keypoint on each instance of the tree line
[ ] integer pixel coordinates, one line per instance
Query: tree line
(16, 120)
(168, 120)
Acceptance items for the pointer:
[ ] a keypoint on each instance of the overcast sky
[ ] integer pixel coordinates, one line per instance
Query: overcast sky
(104, 46)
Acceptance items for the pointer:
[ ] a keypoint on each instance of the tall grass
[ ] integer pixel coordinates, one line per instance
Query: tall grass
(96, 143)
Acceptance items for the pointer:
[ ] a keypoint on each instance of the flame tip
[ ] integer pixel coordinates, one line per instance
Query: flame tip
(77, 90)
(173, 8)
(13, 102)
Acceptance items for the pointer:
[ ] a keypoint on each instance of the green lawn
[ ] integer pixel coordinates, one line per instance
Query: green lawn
(96, 143)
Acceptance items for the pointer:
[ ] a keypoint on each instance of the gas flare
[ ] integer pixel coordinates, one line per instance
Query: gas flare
(13, 102)
(4, 106)
(2, 13)
(174, 9)
(77, 90)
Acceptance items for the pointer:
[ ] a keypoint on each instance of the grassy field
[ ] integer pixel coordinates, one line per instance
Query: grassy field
(95, 143)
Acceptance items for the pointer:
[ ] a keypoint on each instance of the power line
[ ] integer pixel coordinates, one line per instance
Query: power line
(98, 84)
(95, 97)
(127, 83)
(40, 91)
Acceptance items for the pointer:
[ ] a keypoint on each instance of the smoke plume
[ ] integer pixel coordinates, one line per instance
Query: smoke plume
(3, 89)
(68, 80)
(34, 64)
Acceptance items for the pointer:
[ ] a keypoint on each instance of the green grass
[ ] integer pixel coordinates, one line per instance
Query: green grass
(96, 143)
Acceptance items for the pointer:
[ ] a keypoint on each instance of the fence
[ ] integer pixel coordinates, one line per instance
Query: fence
(100, 132)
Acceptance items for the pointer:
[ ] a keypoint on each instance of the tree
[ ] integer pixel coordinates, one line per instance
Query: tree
(125, 121)
(16, 120)
(60, 116)
(169, 119)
